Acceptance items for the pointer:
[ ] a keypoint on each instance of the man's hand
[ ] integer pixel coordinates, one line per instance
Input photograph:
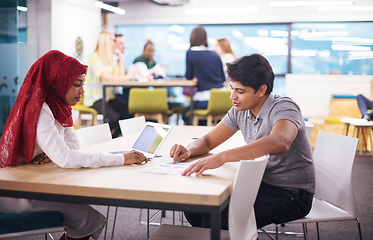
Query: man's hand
(179, 152)
(41, 159)
(198, 167)
(134, 157)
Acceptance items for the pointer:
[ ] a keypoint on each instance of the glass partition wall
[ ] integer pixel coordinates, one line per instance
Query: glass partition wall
(324, 48)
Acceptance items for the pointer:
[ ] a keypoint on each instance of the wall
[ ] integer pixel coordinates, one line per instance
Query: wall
(72, 19)
(313, 92)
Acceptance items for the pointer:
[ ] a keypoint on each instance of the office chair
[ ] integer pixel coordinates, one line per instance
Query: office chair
(83, 109)
(242, 223)
(217, 107)
(92, 135)
(14, 225)
(150, 103)
(334, 198)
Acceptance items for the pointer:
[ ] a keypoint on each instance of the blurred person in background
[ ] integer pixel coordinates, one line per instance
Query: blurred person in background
(204, 66)
(224, 50)
(102, 66)
(145, 65)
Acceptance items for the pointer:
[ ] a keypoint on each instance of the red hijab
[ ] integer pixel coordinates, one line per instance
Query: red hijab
(48, 80)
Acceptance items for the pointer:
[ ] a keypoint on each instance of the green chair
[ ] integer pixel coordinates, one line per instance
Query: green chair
(150, 103)
(83, 109)
(217, 107)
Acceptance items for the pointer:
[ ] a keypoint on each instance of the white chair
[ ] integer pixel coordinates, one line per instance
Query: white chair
(242, 223)
(94, 134)
(334, 198)
(131, 125)
(309, 127)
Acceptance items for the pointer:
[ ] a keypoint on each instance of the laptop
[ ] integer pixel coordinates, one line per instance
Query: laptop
(150, 139)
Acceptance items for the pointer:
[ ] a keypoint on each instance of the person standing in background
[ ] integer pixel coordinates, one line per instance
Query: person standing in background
(224, 50)
(202, 65)
(103, 66)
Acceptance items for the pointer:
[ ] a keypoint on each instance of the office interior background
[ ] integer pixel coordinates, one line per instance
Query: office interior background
(311, 40)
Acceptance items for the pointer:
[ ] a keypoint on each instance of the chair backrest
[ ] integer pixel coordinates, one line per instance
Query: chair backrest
(333, 158)
(242, 223)
(131, 125)
(94, 134)
(309, 127)
(14, 225)
(219, 102)
(143, 100)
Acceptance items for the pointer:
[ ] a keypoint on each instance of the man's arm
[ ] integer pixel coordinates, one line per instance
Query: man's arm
(219, 134)
(278, 142)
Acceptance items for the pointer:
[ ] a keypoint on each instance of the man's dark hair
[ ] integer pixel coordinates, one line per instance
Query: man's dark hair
(252, 71)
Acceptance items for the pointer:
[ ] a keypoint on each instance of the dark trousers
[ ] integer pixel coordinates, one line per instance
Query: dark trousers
(115, 110)
(272, 205)
(196, 105)
(364, 105)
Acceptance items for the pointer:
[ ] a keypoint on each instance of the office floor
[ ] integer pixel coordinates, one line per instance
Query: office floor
(129, 227)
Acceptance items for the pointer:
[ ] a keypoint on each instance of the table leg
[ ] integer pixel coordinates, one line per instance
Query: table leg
(103, 102)
(215, 221)
(346, 126)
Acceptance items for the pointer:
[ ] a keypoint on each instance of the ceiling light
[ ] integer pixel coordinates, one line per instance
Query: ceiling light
(309, 3)
(109, 7)
(342, 8)
(23, 9)
(221, 10)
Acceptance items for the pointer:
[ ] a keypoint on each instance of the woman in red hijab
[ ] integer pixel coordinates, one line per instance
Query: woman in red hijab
(39, 129)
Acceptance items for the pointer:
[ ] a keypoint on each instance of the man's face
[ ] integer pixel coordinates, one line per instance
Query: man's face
(245, 98)
(120, 44)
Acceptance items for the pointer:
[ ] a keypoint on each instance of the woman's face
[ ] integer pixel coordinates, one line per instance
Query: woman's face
(149, 51)
(76, 91)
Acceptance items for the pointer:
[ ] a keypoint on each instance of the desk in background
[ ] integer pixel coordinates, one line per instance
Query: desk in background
(153, 83)
(115, 186)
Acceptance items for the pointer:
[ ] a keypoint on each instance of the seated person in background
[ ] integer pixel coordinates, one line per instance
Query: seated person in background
(224, 50)
(203, 65)
(146, 66)
(103, 66)
(40, 129)
(270, 124)
(365, 104)
(120, 44)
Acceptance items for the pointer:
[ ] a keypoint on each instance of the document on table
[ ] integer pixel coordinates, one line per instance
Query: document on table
(167, 168)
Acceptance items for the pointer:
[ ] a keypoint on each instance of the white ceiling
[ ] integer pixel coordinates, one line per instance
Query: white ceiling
(149, 12)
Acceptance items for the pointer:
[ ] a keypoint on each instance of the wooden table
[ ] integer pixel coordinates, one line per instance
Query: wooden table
(127, 187)
(153, 83)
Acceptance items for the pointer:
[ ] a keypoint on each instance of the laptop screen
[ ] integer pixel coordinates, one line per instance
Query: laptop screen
(151, 137)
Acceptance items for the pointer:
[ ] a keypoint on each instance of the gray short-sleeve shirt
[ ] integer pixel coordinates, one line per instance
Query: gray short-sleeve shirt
(293, 169)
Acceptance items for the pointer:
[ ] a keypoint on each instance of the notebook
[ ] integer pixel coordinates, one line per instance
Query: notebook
(150, 139)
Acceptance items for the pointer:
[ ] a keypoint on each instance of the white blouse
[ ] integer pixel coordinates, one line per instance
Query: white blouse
(61, 145)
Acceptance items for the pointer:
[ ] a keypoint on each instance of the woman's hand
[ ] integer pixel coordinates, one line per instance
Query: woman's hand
(134, 157)
(179, 152)
(41, 159)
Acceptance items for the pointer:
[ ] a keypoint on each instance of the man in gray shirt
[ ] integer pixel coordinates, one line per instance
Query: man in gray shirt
(270, 124)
